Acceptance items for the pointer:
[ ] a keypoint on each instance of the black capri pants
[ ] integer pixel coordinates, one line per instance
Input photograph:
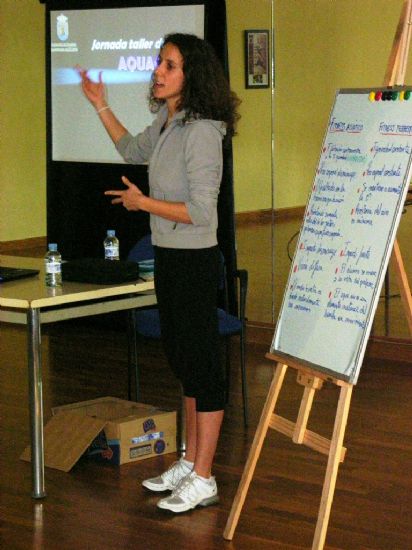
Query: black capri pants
(186, 283)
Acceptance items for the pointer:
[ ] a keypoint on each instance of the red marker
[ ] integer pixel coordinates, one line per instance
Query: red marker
(378, 96)
(336, 270)
(330, 294)
(295, 268)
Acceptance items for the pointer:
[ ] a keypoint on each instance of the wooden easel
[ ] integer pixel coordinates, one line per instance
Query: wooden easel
(395, 75)
(313, 380)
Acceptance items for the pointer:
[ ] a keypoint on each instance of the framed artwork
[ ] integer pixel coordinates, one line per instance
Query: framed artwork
(257, 59)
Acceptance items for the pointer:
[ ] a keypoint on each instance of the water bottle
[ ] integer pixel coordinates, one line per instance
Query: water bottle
(53, 266)
(111, 246)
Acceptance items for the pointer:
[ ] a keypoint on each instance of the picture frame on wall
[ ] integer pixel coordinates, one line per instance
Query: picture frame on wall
(257, 74)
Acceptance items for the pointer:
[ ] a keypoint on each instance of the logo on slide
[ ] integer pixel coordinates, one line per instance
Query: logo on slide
(62, 27)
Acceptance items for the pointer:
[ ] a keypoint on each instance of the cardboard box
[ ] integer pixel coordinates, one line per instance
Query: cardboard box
(107, 429)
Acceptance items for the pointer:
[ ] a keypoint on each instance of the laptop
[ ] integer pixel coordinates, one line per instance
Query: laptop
(14, 273)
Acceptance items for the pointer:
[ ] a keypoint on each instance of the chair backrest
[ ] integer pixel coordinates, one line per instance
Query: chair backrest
(142, 250)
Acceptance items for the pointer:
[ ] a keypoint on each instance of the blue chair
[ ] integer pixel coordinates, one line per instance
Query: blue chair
(148, 324)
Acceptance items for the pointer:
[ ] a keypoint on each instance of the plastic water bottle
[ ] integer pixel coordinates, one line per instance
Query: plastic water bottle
(53, 266)
(111, 246)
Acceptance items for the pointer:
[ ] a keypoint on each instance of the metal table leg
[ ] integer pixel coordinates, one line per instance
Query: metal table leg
(35, 403)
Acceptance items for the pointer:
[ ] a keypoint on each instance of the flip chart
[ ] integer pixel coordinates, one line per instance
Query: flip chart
(348, 231)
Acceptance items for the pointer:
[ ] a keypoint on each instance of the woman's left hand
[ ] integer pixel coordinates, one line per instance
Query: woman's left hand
(130, 198)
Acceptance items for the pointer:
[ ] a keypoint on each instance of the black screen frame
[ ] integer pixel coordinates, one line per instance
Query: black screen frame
(78, 213)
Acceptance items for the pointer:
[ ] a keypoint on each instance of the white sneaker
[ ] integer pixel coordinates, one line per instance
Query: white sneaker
(192, 491)
(170, 478)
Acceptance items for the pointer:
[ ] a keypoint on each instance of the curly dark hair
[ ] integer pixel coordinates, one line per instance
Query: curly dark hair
(206, 92)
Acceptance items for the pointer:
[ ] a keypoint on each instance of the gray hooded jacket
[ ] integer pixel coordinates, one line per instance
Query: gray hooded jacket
(185, 165)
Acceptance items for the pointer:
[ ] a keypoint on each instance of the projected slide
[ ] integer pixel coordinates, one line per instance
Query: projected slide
(123, 45)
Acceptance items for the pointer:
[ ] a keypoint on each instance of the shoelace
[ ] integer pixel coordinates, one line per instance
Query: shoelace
(185, 486)
(174, 470)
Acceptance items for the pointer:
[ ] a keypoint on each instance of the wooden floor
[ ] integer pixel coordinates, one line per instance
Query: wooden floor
(103, 507)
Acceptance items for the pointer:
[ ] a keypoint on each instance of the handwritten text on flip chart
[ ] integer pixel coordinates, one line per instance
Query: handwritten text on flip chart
(347, 233)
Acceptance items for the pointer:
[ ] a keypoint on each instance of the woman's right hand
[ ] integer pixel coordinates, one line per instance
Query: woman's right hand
(94, 91)
(96, 94)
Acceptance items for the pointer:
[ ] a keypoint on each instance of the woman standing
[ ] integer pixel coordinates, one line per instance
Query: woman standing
(195, 111)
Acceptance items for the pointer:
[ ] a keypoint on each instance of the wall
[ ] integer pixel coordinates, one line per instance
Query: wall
(23, 131)
(23, 127)
(320, 45)
(252, 146)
